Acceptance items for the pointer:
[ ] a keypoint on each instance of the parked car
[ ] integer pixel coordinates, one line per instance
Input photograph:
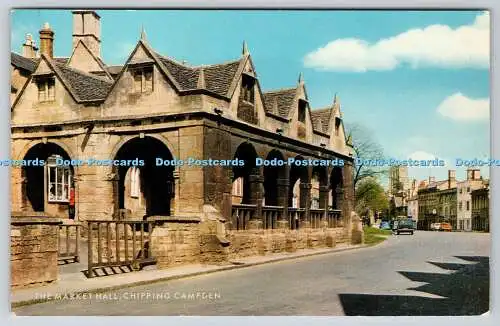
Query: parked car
(385, 225)
(445, 227)
(405, 226)
(435, 226)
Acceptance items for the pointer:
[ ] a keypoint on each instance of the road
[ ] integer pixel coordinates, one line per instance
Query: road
(429, 273)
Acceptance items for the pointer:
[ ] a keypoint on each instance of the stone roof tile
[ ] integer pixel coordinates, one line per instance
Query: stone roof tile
(284, 98)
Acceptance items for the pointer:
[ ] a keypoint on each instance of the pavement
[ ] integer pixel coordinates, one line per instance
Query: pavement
(72, 280)
(429, 273)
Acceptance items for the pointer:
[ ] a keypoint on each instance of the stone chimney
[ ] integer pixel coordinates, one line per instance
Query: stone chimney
(432, 179)
(473, 174)
(47, 41)
(476, 175)
(29, 47)
(87, 27)
(452, 179)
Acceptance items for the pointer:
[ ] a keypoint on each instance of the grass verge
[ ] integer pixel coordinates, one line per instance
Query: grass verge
(375, 236)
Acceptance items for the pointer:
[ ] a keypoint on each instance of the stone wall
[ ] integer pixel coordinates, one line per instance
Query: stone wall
(175, 241)
(33, 245)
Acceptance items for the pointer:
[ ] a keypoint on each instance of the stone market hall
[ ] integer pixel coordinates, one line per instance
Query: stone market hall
(78, 107)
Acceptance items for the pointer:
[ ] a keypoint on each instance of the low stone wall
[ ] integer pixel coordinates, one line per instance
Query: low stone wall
(263, 242)
(175, 241)
(33, 246)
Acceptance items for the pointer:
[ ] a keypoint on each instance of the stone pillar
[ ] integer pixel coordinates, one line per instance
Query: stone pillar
(174, 204)
(256, 194)
(283, 188)
(348, 194)
(305, 202)
(323, 203)
(18, 186)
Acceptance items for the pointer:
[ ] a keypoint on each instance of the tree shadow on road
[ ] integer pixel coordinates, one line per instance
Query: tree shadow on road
(465, 291)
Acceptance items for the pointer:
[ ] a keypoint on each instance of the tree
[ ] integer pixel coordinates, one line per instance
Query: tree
(366, 148)
(370, 195)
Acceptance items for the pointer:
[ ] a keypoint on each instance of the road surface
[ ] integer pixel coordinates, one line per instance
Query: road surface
(429, 273)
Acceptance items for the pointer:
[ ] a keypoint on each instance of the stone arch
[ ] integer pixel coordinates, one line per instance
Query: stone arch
(273, 177)
(299, 175)
(125, 139)
(46, 188)
(246, 152)
(336, 188)
(319, 185)
(33, 143)
(146, 189)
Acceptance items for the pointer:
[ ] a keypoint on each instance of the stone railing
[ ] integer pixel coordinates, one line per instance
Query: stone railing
(271, 215)
(241, 214)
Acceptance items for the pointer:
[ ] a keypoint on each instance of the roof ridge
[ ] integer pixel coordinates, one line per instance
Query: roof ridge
(321, 110)
(86, 74)
(280, 90)
(197, 67)
(217, 64)
(172, 60)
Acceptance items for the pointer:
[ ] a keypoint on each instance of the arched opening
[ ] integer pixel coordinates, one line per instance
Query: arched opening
(319, 181)
(144, 189)
(298, 175)
(271, 176)
(242, 192)
(46, 187)
(336, 188)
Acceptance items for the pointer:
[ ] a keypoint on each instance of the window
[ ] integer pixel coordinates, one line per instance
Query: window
(59, 181)
(135, 182)
(468, 205)
(143, 79)
(238, 187)
(247, 88)
(337, 126)
(46, 89)
(302, 111)
(461, 190)
(460, 206)
(468, 189)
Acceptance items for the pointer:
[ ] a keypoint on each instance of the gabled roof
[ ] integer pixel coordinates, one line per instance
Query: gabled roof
(321, 119)
(22, 62)
(218, 77)
(86, 87)
(282, 99)
(98, 60)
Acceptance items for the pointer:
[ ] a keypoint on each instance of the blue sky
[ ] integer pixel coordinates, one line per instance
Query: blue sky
(418, 80)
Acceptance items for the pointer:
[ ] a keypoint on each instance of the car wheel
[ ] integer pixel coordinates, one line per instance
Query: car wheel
(411, 233)
(397, 233)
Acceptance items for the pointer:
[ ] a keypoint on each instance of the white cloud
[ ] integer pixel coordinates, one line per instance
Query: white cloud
(434, 45)
(422, 155)
(463, 108)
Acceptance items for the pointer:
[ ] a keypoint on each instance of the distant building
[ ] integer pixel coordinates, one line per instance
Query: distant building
(398, 186)
(412, 201)
(464, 199)
(480, 199)
(437, 202)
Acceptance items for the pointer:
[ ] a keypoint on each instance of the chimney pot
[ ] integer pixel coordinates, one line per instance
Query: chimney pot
(47, 41)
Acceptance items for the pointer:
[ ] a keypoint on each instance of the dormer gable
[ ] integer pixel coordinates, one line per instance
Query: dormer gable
(81, 86)
(83, 59)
